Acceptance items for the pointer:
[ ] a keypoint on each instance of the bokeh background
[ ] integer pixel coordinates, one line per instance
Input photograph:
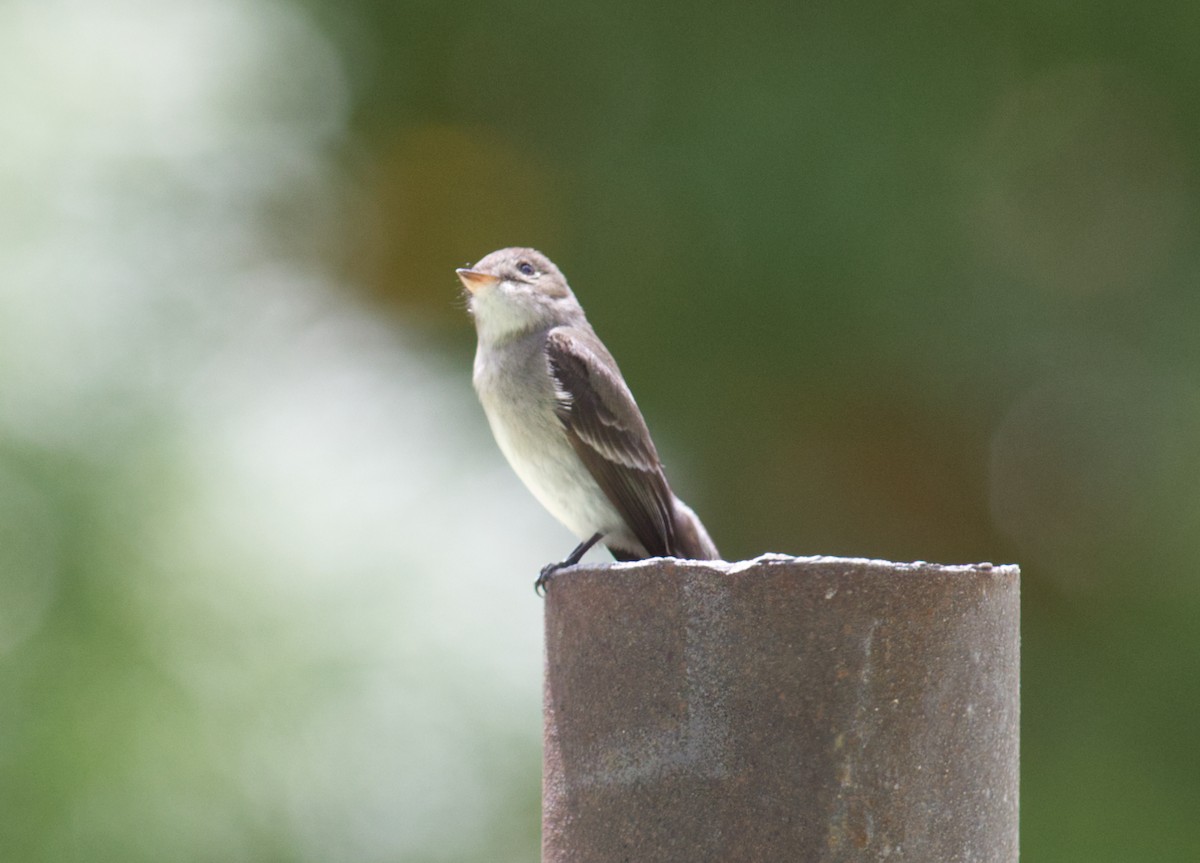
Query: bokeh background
(913, 282)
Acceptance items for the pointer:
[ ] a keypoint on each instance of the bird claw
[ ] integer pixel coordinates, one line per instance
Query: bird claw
(539, 586)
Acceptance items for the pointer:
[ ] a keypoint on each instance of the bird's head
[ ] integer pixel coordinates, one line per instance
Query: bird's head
(516, 290)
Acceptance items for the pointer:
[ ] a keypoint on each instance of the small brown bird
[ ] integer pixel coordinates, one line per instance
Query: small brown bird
(565, 419)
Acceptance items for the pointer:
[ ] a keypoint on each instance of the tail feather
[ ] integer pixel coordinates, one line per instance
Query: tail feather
(692, 541)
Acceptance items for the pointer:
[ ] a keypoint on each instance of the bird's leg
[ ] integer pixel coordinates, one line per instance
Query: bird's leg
(539, 586)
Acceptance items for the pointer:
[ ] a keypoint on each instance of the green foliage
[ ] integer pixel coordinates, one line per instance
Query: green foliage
(913, 282)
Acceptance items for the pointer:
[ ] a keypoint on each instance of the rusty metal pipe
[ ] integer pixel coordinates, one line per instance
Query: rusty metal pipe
(781, 709)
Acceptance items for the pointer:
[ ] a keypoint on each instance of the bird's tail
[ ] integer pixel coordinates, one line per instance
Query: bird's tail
(692, 541)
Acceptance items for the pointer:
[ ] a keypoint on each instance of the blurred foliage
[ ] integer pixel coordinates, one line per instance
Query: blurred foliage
(915, 283)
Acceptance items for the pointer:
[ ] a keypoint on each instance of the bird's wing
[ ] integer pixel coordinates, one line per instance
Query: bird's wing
(607, 431)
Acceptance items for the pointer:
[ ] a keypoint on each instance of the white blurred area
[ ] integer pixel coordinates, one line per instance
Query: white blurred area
(320, 563)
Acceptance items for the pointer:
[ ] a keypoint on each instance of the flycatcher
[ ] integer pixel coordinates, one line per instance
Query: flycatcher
(565, 419)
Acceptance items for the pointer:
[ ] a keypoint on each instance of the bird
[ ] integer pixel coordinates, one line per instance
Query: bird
(565, 419)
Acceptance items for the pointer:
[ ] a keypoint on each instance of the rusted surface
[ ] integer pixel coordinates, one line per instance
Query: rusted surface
(781, 709)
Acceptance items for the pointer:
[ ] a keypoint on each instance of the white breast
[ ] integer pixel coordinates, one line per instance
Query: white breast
(517, 394)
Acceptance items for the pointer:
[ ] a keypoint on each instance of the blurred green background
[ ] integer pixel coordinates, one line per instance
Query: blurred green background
(914, 282)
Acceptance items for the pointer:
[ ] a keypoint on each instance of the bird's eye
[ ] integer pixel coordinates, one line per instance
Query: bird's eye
(526, 268)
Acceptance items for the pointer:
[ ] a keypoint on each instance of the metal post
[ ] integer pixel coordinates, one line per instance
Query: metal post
(781, 709)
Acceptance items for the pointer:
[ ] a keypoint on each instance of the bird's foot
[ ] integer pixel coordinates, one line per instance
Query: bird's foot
(539, 586)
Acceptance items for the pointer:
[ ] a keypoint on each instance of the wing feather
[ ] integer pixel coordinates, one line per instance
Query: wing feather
(607, 431)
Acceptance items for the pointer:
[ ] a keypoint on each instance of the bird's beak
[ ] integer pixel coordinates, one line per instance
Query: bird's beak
(473, 280)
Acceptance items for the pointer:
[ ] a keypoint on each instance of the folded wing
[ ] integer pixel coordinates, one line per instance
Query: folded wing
(607, 431)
